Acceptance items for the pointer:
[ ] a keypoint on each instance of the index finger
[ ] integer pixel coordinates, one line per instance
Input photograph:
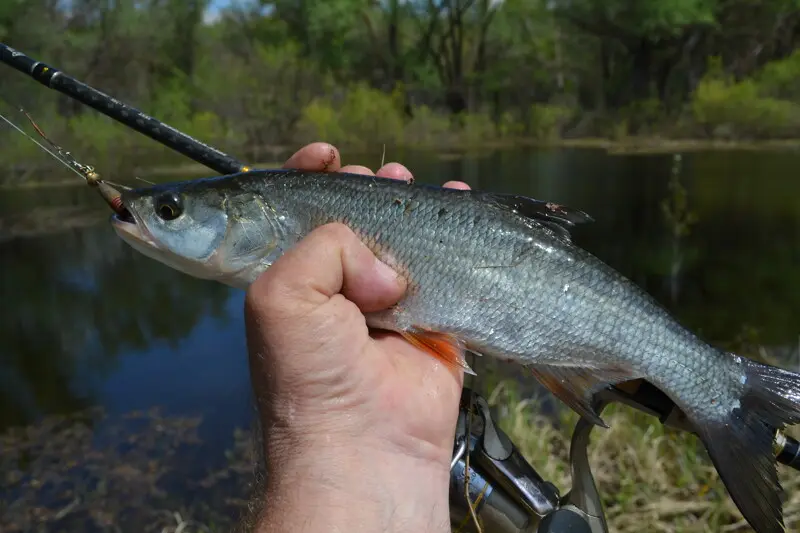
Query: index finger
(315, 157)
(460, 185)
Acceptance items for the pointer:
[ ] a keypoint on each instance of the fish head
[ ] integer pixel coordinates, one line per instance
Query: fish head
(208, 232)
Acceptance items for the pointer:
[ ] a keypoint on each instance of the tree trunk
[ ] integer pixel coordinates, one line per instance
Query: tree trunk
(455, 100)
(641, 74)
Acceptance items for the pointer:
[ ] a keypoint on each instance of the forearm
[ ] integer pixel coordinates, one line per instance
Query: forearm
(354, 491)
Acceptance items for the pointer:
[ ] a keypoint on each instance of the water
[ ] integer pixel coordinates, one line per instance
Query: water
(87, 322)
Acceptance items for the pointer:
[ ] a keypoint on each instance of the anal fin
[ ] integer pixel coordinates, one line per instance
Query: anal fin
(576, 386)
(444, 346)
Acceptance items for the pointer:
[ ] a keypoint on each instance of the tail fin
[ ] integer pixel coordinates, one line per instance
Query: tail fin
(741, 448)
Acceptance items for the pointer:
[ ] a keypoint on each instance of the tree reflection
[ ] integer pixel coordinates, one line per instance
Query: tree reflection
(81, 297)
(735, 264)
(679, 219)
(748, 276)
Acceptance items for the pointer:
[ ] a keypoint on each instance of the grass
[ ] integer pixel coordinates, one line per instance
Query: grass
(651, 478)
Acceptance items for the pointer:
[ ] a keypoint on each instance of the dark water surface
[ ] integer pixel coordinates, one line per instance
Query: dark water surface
(86, 321)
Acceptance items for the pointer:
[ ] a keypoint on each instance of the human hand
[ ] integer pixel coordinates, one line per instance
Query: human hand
(358, 423)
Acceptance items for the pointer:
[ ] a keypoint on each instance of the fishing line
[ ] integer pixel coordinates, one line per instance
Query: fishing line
(40, 145)
(109, 191)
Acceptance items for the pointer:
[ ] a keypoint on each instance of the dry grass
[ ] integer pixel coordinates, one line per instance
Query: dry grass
(651, 478)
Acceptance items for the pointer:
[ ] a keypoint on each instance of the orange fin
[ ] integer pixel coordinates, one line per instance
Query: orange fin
(576, 386)
(444, 346)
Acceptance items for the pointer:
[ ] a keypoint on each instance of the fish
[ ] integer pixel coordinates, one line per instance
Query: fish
(494, 274)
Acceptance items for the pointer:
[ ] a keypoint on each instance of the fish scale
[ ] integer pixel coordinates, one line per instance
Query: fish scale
(638, 333)
(496, 274)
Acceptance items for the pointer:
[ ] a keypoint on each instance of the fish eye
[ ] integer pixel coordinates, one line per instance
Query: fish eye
(169, 206)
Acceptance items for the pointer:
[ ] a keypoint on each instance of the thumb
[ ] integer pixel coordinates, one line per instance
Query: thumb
(329, 261)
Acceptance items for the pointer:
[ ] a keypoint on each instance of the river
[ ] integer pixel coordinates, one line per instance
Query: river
(87, 322)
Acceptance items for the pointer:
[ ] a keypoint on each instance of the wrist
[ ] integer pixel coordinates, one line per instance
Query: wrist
(335, 486)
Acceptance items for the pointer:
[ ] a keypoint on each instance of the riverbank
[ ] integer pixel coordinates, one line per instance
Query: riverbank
(48, 220)
(47, 175)
(650, 478)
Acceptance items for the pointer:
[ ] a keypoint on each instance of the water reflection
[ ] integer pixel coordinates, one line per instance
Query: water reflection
(76, 300)
(86, 320)
(679, 219)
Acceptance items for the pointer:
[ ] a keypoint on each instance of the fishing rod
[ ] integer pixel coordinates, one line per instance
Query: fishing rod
(501, 486)
(161, 132)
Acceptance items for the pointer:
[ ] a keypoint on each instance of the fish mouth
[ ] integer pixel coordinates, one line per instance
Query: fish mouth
(123, 215)
(128, 229)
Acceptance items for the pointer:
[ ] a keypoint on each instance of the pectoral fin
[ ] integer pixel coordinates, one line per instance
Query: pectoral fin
(576, 386)
(444, 346)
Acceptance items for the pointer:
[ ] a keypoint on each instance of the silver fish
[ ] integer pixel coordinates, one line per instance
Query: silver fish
(494, 274)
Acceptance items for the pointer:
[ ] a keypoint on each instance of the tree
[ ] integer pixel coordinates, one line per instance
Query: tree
(648, 35)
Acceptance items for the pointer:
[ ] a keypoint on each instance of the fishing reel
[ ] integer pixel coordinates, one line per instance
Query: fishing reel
(507, 495)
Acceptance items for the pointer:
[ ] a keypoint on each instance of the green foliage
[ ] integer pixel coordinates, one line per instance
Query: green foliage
(365, 118)
(172, 103)
(261, 96)
(476, 129)
(781, 79)
(643, 116)
(643, 17)
(101, 137)
(546, 121)
(362, 73)
(428, 127)
(743, 109)
(509, 126)
(372, 116)
(330, 30)
(319, 120)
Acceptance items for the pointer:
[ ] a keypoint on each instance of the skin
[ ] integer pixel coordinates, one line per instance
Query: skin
(357, 425)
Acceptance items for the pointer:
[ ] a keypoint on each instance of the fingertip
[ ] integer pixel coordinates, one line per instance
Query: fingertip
(395, 171)
(460, 185)
(356, 169)
(317, 156)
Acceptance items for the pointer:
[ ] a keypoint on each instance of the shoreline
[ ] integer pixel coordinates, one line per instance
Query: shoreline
(628, 146)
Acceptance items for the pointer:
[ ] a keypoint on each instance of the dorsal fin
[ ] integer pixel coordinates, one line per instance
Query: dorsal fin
(556, 217)
(557, 228)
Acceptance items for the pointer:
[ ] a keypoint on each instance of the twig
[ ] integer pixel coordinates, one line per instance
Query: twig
(67, 509)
